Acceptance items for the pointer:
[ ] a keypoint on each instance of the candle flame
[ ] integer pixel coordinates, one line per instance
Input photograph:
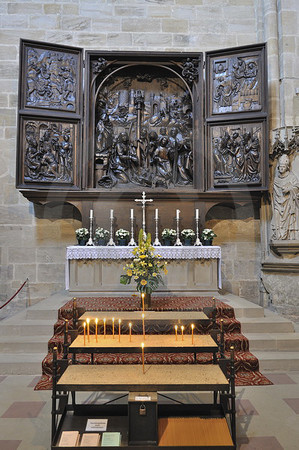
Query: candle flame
(87, 321)
(142, 344)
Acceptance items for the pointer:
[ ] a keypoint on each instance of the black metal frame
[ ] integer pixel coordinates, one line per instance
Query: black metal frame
(223, 403)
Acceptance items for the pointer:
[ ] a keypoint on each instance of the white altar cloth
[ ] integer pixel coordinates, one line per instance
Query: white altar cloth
(123, 252)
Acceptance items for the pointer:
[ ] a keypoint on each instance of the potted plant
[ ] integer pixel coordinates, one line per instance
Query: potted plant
(169, 236)
(188, 236)
(101, 235)
(145, 268)
(207, 236)
(122, 236)
(82, 235)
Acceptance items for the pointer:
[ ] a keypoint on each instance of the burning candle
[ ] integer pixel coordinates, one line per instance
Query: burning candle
(96, 322)
(221, 325)
(111, 213)
(104, 320)
(130, 331)
(192, 328)
(177, 213)
(84, 328)
(142, 353)
(113, 327)
(156, 213)
(143, 327)
(182, 330)
(142, 298)
(91, 214)
(87, 321)
(119, 329)
(132, 213)
(176, 332)
(196, 214)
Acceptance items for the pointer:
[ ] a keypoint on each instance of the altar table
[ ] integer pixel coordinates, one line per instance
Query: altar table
(97, 269)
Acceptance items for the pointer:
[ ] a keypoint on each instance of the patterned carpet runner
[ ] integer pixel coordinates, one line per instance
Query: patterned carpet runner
(246, 364)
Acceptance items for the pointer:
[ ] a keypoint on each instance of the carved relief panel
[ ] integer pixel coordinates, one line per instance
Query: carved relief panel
(49, 152)
(142, 121)
(237, 151)
(50, 100)
(236, 81)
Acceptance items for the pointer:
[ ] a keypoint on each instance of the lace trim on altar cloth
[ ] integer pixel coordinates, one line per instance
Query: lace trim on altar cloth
(84, 252)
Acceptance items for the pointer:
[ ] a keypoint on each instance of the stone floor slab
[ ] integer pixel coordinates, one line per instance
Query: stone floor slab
(23, 410)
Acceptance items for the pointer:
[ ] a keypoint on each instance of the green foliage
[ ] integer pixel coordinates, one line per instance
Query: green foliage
(145, 268)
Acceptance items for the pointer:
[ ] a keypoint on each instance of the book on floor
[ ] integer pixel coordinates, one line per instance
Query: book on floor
(90, 440)
(111, 439)
(69, 439)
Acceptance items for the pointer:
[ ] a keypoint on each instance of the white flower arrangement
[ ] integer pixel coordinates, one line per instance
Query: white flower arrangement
(169, 233)
(188, 233)
(82, 233)
(208, 234)
(101, 233)
(122, 234)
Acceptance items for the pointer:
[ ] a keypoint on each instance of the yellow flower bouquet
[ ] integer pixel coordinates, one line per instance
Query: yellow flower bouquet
(146, 267)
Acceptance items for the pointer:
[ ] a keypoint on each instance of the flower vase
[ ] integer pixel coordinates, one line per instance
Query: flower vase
(147, 300)
(101, 242)
(188, 242)
(122, 242)
(167, 242)
(82, 241)
(207, 242)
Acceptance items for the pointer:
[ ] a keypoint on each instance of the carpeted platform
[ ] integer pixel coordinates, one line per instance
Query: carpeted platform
(246, 364)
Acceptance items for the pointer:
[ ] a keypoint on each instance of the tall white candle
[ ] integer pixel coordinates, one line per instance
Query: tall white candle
(91, 214)
(196, 214)
(156, 214)
(177, 213)
(111, 213)
(132, 213)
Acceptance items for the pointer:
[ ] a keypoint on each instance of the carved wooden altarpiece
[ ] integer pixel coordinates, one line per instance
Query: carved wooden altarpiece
(145, 124)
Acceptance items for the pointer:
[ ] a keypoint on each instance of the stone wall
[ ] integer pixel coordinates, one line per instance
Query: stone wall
(32, 242)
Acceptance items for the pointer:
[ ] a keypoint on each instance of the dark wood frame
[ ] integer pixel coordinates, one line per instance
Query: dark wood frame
(51, 115)
(83, 188)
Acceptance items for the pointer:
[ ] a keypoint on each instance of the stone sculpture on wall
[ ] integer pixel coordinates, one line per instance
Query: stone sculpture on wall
(48, 152)
(285, 202)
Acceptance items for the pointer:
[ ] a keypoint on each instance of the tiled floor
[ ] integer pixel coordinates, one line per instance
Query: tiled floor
(268, 416)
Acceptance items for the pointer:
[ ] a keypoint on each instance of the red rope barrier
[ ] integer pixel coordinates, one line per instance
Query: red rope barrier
(14, 294)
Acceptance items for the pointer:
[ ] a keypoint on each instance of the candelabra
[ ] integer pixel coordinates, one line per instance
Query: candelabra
(111, 241)
(132, 242)
(197, 241)
(157, 242)
(90, 241)
(178, 241)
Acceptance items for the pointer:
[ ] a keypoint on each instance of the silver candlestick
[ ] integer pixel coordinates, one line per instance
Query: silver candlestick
(197, 241)
(111, 241)
(90, 241)
(157, 243)
(178, 241)
(132, 242)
